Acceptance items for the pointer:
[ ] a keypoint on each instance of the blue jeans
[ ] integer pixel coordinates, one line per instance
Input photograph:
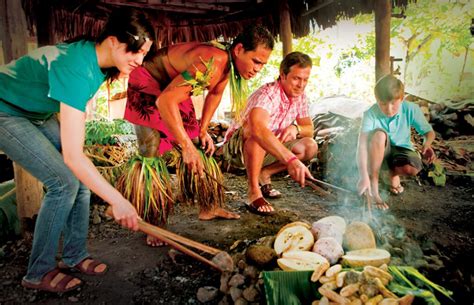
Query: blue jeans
(36, 146)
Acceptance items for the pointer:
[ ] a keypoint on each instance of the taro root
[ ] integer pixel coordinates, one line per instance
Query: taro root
(302, 260)
(366, 257)
(293, 237)
(358, 235)
(351, 277)
(260, 255)
(330, 248)
(322, 230)
(369, 287)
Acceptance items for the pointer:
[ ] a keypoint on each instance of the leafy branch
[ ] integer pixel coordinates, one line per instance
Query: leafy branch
(201, 80)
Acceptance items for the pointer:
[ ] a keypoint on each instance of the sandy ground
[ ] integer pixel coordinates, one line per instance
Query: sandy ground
(437, 219)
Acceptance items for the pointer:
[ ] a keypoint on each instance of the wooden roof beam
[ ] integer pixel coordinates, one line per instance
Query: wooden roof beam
(317, 7)
(187, 4)
(222, 1)
(161, 7)
(172, 5)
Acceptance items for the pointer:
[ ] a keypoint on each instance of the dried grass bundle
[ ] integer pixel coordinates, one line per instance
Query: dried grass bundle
(146, 183)
(147, 186)
(204, 191)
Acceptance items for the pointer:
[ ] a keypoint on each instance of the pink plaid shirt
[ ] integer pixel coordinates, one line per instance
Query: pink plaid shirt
(283, 110)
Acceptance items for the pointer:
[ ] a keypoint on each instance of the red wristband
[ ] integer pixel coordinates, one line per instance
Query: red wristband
(291, 160)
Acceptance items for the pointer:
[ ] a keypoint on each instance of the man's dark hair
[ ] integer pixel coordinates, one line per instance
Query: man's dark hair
(389, 88)
(253, 36)
(295, 58)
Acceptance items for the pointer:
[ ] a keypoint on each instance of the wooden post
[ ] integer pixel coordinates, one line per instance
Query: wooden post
(43, 23)
(285, 27)
(29, 194)
(13, 30)
(13, 33)
(383, 11)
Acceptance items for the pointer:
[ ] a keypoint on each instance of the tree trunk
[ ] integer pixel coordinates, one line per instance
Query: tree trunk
(29, 194)
(463, 66)
(13, 30)
(383, 11)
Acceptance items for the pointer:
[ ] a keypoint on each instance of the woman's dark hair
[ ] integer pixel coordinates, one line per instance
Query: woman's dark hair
(295, 58)
(131, 27)
(253, 36)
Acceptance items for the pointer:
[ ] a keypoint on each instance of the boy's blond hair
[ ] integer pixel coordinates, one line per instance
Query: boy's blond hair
(389, 88)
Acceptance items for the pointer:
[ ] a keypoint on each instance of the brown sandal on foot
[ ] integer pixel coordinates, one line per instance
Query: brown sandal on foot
(86, 266)
(258, 203)
(47, 281)
(269, 192)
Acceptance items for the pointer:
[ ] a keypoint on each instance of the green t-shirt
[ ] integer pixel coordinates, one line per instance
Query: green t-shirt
(34, 85)
(399, 126)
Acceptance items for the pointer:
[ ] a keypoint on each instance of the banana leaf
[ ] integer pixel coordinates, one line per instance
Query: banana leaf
(295, 287)
(289, 288)
(408, 280)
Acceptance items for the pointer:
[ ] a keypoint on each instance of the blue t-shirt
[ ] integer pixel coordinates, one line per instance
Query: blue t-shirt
(34, 85)
(399, 126)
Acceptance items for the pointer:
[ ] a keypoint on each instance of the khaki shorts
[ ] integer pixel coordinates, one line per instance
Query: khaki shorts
(234, 148)
(396, 156)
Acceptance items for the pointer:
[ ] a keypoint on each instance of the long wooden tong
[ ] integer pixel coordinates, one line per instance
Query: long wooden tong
(178, 242)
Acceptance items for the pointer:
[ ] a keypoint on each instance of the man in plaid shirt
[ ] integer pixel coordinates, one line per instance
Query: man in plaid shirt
(275, 133)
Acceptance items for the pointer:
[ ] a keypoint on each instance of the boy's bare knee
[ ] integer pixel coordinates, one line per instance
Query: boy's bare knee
(408, 170)
(411, 171)
(310, 148)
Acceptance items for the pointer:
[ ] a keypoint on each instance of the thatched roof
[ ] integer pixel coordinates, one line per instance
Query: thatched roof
(188, 20)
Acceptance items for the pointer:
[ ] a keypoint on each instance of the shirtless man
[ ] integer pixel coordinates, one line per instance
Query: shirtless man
(159, 98)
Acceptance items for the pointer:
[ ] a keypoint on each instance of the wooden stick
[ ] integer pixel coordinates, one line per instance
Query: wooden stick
(160, 232)
(329, 185)
(151, 230)
(318, 189)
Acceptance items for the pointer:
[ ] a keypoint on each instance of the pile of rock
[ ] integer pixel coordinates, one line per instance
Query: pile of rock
(244, 285)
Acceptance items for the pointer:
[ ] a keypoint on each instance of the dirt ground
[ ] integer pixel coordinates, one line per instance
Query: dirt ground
(437, 219)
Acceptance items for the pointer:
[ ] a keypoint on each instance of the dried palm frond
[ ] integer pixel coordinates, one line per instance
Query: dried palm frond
(239, 92)
(147, 185)
(146, 182)
(205, 191)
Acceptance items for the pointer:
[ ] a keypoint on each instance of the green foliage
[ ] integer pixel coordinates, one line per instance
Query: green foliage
(437, 173)
(102, 131)
(434, 42)
(351, 57)
(105, 92)
(201, 80)
(408, 280)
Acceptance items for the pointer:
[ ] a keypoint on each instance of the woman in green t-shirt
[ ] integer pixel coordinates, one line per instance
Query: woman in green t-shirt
(63, 78)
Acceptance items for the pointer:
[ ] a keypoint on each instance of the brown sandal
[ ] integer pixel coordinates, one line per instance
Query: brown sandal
(269, 192)
(258, 203)
(48, 279)
(85, 267)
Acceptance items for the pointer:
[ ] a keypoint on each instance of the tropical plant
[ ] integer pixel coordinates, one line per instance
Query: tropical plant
(102, 131)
